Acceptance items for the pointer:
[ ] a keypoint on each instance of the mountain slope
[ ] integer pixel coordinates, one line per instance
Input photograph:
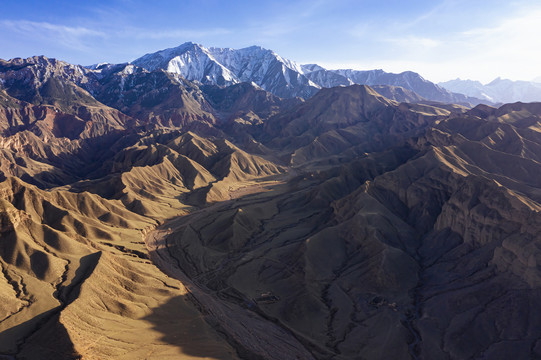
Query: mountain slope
(215, 66)
(190, 60)
(155, 97)
(224, 222)
(355, 119)
(67, 261)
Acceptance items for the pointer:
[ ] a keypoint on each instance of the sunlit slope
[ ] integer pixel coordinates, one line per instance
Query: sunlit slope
(78, 282)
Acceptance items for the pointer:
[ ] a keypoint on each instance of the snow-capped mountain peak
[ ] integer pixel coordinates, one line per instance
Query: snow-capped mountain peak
(226, 66)
(190, 60)
(278, 75)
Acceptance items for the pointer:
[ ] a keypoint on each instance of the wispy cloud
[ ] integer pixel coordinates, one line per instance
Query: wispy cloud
(140, 33)
(285, 21)
(69, 36)
(432, 13)
(502, 44)
(524, 27)
(506, 49)
(73, 35)
(414, 42)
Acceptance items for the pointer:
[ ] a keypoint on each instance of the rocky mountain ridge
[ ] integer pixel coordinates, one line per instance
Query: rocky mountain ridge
(146, 215)
(280, 76)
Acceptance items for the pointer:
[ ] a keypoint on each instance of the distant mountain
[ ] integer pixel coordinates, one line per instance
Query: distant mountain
(408, 80)
(497, 91)
(217, 66)
(280, 76)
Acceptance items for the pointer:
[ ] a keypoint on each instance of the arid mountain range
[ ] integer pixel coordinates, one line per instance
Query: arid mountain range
(144, 215)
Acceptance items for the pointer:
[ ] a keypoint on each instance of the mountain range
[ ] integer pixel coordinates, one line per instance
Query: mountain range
(280, 76)
(212, 203)
(497, 91)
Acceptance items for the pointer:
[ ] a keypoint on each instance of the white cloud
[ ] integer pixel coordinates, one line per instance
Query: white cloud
(508, 48)
(73, 37)
(28, 26)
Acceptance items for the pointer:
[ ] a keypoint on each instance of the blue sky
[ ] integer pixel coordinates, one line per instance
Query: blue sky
(440, 39)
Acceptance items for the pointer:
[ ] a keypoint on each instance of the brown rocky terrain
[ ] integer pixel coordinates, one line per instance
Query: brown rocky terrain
(143, 216)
